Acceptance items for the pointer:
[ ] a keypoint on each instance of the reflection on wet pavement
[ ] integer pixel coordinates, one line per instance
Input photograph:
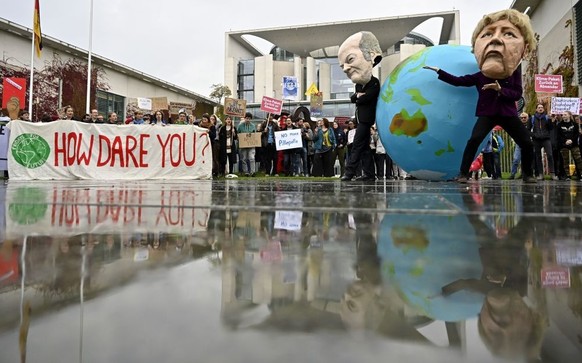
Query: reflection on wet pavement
(282, 270)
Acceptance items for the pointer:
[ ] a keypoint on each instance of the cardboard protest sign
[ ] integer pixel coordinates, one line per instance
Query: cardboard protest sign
(249, 139)
(235, 107)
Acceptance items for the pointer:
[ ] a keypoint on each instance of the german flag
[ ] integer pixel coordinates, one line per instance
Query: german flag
(37, 38)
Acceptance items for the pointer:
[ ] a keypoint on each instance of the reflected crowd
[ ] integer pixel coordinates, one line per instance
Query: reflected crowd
(489, 273)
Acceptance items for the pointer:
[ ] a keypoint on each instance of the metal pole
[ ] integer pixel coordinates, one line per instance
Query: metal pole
(88, 106)
(31, 65)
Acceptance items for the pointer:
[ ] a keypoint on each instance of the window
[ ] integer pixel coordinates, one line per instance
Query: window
(246, 80)
(109, 102)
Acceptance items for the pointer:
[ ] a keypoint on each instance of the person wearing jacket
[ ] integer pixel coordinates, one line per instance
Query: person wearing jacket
(357, 56)
(227, 148)
(568, 132)
(500, 41)
(541, 128)
(324, 144)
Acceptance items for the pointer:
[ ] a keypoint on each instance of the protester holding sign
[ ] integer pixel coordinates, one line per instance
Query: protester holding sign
(324, 143)
(541, 126)
(291, 156)
(247, 155)
(268, 129)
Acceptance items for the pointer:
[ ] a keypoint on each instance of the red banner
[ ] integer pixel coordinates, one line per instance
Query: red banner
(14, 87)
(548, 83)
(271, 105)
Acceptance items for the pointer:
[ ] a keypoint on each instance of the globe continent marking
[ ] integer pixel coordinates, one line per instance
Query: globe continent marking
(423, 122)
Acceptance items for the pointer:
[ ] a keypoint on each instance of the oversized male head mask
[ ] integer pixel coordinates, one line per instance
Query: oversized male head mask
(500, 41)
(358, 54)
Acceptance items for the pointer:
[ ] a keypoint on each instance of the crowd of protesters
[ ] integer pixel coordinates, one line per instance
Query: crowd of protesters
(326, 147)
(324, 152)
(556, 139)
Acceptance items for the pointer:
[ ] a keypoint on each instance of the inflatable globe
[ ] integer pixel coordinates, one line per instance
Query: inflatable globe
(421, 253)
(424, 123)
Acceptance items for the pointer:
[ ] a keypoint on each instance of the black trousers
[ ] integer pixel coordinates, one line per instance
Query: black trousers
(513, 126)
(361, 152)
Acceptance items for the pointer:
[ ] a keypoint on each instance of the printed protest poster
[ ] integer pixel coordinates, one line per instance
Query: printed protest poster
(235, 107)
(548, 83)
(271, 105)
(290, 88)
(316, 104)
(561, 104)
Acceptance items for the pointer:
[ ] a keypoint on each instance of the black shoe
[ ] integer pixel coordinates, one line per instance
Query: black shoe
(366, 178)
(530, 179)
(461, 178)
(346, 178)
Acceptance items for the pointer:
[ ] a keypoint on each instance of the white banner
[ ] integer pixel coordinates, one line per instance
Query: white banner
(71, 208)
(4, 137)
(288, 139)
(75, 150)
(561, 104)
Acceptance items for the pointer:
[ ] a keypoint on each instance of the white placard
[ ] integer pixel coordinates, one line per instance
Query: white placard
(351, 135)
(288, 139)
(562, 104)
(144, 103)
(288, 220)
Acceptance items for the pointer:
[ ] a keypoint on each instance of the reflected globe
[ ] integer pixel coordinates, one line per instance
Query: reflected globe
(421, 254)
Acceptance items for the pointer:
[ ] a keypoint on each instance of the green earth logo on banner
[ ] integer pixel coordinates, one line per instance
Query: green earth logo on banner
(28, 206)
(30, 150)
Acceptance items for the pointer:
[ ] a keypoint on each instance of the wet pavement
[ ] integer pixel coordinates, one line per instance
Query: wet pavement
(283, 270)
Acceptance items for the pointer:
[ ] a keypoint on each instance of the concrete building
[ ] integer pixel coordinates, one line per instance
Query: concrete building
(558, 23)
(309, 52)
(124, 82)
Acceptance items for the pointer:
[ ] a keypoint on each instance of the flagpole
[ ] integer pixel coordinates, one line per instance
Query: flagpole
(87, 108)
(31, 67)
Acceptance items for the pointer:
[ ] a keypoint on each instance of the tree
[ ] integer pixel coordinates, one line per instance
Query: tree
(219, 91)
(73, 72)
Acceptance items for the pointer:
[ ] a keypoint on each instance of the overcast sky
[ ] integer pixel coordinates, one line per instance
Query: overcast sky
(182, 41)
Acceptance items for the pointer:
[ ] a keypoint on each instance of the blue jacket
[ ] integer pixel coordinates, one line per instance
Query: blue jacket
(318, 140)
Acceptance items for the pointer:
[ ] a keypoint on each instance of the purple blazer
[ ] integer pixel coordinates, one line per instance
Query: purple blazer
(490, 103)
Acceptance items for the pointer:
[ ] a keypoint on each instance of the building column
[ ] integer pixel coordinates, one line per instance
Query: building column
(310, 74)
(298, 72)
(325, 80)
